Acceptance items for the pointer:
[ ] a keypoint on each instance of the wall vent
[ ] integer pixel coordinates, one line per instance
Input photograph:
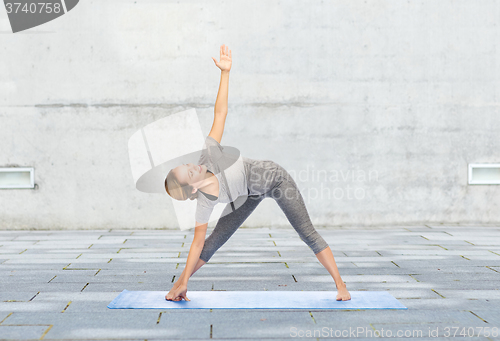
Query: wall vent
(17, 177)
(484, 174)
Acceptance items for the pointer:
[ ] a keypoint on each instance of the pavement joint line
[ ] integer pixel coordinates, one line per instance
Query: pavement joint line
(274, 243)
(395, 264)
(478, 316)
(23, 251)
(464, 257)
(442, 247)
(66, 266)
(177, 266)
(109, 261)
(6, 318)
(45, 332)
(174, 278)
(469, 242)
(314, 320)
(278, 253)
(31, 299)
(294, 278)
(132, 233)
(81, 269)
(52, 279)
(99, 237)
(428, 226)
(492, 269)
(182, 244)
(211, 330)
(120, 250)
(358, 266)
(438, 293)
(159, 317)
(97, 272)
(424, 238)
(84, 287)
(124, 241)
(179, 256)
(110, 230)
(414, 277)
(66, 307)
(79, 255)
(286, 265)
(498, 254)
(90, 246)
(379, 253)
(447, 233)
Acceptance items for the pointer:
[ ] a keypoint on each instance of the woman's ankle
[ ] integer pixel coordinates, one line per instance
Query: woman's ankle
(341, 285)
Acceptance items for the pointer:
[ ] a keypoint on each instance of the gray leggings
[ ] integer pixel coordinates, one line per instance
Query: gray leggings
(289, 199)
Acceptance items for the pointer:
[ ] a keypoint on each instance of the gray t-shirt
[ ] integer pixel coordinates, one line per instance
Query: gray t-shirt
(232, 180)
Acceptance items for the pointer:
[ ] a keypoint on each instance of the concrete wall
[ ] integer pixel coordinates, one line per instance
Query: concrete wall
(391, 99)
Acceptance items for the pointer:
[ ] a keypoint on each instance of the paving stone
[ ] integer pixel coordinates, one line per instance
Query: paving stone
(317, 266)
(378, 258)
(287, 284)
(359, 278)
(440, 303)
(39, 307)
(22, 332)
(113, 324)
(257, 324)
(16, 296)
(492, 316)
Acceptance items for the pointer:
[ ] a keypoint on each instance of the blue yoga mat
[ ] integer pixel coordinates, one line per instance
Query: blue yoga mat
(256, 300)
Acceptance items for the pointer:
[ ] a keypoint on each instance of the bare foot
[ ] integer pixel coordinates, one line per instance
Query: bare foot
(343, 294)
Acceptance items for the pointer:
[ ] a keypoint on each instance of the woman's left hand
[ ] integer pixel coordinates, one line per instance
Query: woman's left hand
(225, 59)
(177, 293)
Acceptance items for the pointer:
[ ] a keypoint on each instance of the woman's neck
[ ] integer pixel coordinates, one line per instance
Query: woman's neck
(210, 185)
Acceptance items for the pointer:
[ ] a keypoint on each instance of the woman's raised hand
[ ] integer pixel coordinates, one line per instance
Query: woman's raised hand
(225, 59)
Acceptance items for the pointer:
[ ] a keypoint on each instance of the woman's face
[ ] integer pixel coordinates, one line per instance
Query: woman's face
(191, 174)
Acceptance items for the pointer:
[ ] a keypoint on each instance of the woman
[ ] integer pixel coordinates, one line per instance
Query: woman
(250, 179)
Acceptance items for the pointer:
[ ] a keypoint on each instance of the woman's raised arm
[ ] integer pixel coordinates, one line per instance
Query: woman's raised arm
(220, 109)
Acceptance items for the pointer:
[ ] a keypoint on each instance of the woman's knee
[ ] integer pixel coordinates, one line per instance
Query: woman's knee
(317, 243)
(206, 253)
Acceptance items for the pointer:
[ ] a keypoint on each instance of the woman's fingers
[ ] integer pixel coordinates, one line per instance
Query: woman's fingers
(225, 51)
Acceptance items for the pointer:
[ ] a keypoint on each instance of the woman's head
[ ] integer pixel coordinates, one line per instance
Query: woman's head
(183, 181)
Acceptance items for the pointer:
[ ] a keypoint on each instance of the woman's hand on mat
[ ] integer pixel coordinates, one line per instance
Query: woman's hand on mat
(225, 59)
(343, 294)
(177, 293)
